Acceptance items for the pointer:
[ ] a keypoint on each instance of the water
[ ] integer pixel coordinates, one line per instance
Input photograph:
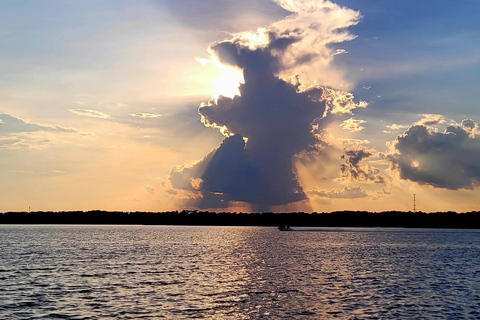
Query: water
(164, 272)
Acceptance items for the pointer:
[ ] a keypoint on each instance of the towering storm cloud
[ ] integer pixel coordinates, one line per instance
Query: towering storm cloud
(279, 111)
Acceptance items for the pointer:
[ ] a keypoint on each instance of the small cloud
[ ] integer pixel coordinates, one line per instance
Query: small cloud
(339, 51)
(396, 127)
(90, 113)
(349, 192)
(202, 61)
(431, 120)
(148, 188)
(80, 103)
(471, 127)
(364, 87)
(145, 115)
(362, 104)
(355, 168)
(338, 101)
(122, 104)
(353, 125)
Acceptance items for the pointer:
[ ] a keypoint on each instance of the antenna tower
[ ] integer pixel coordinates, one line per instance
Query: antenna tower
(414, 204)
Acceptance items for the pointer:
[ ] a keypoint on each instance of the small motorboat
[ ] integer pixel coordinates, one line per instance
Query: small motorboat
(284, 228)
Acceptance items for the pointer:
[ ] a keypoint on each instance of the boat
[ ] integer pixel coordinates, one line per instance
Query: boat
(285, 228)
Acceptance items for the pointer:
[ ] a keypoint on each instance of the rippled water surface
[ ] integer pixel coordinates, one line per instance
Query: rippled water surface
(165, 272)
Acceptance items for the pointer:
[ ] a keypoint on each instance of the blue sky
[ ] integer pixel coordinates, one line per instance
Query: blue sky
(99, 104)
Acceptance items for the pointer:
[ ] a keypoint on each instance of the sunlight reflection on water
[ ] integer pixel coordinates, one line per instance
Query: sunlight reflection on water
(165, 272)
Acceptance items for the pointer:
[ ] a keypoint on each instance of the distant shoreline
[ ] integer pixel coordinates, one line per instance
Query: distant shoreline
(387, 219)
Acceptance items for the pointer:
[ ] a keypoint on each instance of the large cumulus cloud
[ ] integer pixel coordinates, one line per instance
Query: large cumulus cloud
(448, 159)
(278, 113)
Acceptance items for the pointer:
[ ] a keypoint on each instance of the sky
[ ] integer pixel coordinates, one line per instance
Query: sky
(254, 105)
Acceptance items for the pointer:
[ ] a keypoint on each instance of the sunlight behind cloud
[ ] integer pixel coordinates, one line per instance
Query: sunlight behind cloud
(228, 82)
(225, 79)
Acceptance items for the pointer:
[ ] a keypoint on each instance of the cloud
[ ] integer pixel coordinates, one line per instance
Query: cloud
(339, 101)
(339, 51)
(145, 115)
(171, 192)
(353, 125)
(313, 26)
(299, 43)
(90, 113)
(384, 192)
(148, 188)
(471, 127)
(396, 126)
(449, 159)
(431, 120)
(16, 133)
(350, 141)
(203, 61)
(11, 124)
(349, 192)
(30, 140)
(355, 169)
(272, 120)
(10, 143)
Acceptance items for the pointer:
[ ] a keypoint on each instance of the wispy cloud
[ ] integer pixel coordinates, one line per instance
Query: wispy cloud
(16, 133)
(145, 115)
(350, 142)
(349, 192)
(11, 124)
(339, 51)
(28, 140)
(90, 113)
(148, 188)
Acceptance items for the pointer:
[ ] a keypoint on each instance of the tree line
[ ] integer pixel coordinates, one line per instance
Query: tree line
(450, 219)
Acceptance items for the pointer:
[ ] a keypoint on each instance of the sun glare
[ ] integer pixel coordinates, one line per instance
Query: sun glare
(227, 83)
(224, 80)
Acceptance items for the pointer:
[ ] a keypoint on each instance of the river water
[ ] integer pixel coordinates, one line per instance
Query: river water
(176, 272)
